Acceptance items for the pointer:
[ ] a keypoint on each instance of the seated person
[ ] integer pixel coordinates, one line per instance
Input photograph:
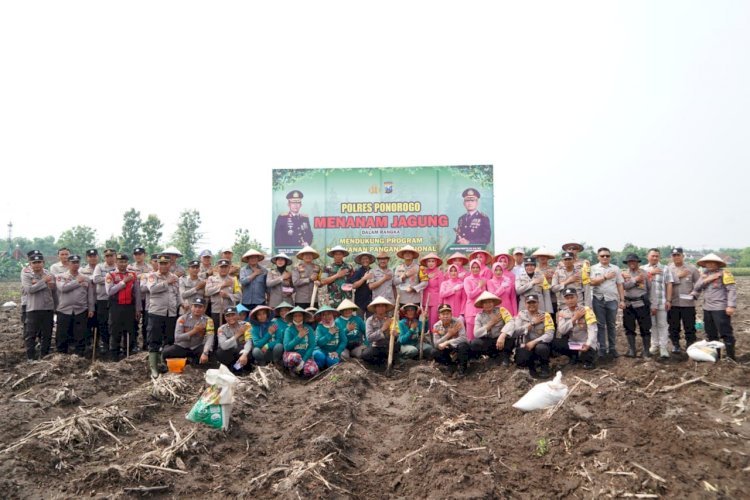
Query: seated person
(354, 327)
(193, 335)
(331, 341)
(265, 347)
(576, 331)
(488, 328)
(235, 341)
(377, 329)
(533, 332)
(299, 344)
(410, 330)
(449, 339)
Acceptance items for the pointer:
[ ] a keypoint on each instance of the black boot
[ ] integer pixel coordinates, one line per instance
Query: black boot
(730, 351)
(544, 370)
(631, 346)
(646, 346)
(504, 359)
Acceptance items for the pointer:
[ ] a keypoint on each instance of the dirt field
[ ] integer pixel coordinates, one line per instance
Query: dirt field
(75, 429)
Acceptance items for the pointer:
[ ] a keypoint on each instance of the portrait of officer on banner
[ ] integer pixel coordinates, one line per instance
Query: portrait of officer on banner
(473, 227)
(293, 228)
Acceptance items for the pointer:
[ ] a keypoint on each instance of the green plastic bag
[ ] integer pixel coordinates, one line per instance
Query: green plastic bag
(214, 407)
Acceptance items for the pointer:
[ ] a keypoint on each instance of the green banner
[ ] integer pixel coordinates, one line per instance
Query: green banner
(438, 209)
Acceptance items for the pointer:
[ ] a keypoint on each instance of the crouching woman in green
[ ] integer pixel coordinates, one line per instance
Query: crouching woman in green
(331, 339)
(410, 329)
(299, 344)
(265, 346)
(353, 327)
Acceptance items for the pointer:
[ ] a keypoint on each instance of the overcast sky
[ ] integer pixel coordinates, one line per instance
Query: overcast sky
(607, 122)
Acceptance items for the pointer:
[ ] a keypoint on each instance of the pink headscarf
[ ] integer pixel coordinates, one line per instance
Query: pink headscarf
(452, 291)
(504, 287)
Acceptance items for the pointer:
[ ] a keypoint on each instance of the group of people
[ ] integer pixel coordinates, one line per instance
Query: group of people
(307, 316)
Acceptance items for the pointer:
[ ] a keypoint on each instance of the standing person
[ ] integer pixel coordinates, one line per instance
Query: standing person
(335, 276)
(485, 259)
(39, 287)
(173, 255)
(360, 278)
(460, 260)
(92, 259)
(381, 282)
(533, 282)
(207, 264)
(193, 335)
(61, 266)
(576, 331)
(406, 277)
(473, 227)
(659, 276)
(253, 280)
(431, 264)
(264, 334)
(378, 329)
(299, 344)
(639, 294)
(279, 287)
(474, 285)
(581, 266)
(293, 228)
(305, 275)
(506, 260)
(518, 266)
(354, 328)
(76, 305)
(680, 301)
(489, 338)
(543, 255)
(503, 286)
(609, 294)
(568, 276)
(410, 330)
(220, 288)
(191, 285)
(124, 305)
(719, 300)
(141, 269)
(164, 302)
(102, 299)
(452, 291)
(533, 331)
(449, 339)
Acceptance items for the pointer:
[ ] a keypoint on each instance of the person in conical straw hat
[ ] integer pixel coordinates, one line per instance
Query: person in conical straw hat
(410, 330)
(253, 279)
(719, 300)
(279, 280)
(460, 261)
(377, 329)
(506, 260)
(173, 255)
(264, 330)
(354, 327)
(435, 277)
(381, 282)
(335, 276)
(543, 255)
(299, 344)
(305, 275)
(359, 279)
(281, 324)
(331, 341)
(406, 277)
(489, 337)
(484, 257)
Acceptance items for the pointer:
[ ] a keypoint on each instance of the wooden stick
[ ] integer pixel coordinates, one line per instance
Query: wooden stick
(147, 489)
(165, 469)
(618, 473)
(412, 453)
(593, 386)
(655, 476)
(392, 340)
(310, 426)
(314, 295)
(424, 321)
(681, 384)
(94, 345)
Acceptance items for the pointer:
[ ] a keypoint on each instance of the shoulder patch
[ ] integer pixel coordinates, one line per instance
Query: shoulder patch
(549, 325)
(505, 314)
(109, 279)
(728, 278)
(590, 316)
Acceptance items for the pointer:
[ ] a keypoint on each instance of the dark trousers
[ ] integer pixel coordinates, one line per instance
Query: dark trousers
(71, 331)
(23, 322)
(379, 355)
(461, 355)
(102, 321)
(718, 323)
(686, 316)
(230, 356)
(38, 325)
(488, 346)
(303, 305)
(555, 308)
(525, 358)
(160, 331)
(641, 315)
(560, 346)
(144, 328)
(121, 326)
(176, 351)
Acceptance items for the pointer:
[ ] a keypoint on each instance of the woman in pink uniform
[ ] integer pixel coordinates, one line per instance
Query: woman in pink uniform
(460, 260)
(485, 259)
(506, 260)
(431, 295)
(452, 291)
(503, 284)
(474, 285)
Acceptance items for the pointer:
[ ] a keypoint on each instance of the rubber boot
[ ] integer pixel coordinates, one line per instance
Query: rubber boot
(646, 346)
(730, 351)
(631, 346)
(544, 371)
(153, 364)
(504, 359)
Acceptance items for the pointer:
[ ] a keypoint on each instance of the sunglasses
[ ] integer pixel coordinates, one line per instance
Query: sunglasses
(605, 256)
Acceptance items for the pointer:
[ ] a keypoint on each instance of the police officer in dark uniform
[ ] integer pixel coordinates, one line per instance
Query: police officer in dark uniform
(473, 226)
(293, 229)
